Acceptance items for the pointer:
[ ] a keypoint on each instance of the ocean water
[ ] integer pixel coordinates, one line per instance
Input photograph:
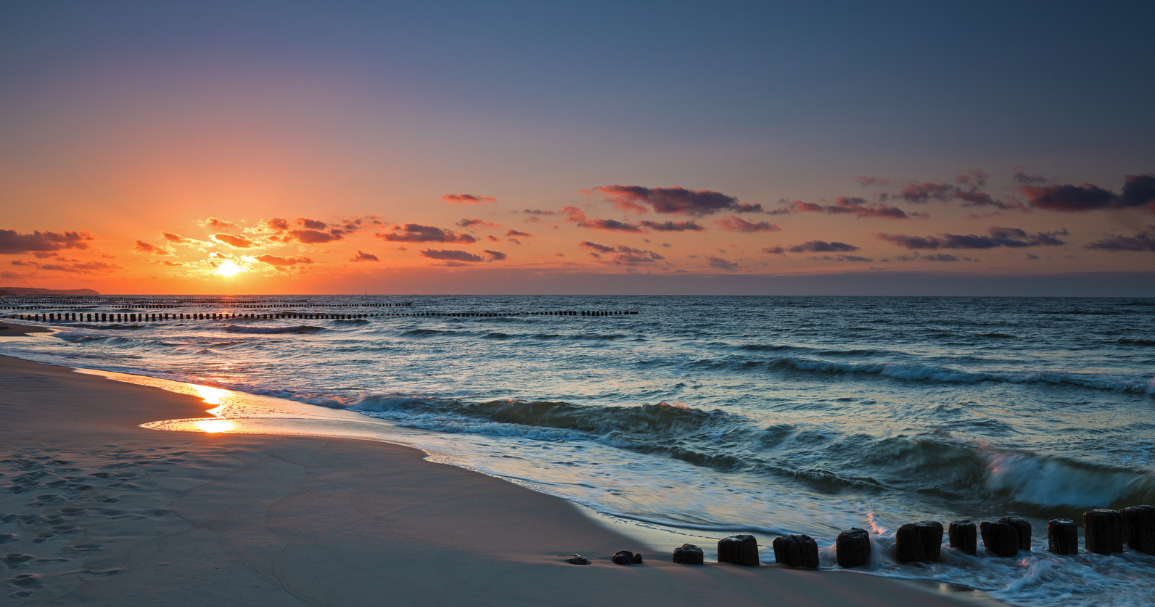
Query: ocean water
(710, 415)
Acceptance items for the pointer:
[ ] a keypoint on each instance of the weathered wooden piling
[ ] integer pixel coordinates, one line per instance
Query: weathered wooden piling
(963, 536)
(688, 554)
(852, 548)
(796, 551)
(739, 550)
(1139, 528)
(919, 542)
(1006, 536)
(1062, 536)
(1103, 531)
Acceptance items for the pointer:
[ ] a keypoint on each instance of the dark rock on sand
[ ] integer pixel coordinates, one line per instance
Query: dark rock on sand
(578, 559)
(625, 557)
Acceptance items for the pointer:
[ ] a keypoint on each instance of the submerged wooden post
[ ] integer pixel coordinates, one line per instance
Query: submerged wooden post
(1006, 536)
(919, 542)
(852, 548)
(1139, 528)
(963, 536)
(1103, 531)
(1062, 536)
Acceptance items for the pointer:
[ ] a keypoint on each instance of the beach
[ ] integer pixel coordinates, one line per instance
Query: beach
(96, 510)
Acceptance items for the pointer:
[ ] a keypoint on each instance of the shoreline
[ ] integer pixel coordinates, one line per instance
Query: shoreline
(248, 515)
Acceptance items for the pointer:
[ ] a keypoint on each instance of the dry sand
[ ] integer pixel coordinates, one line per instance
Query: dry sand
(97, 511)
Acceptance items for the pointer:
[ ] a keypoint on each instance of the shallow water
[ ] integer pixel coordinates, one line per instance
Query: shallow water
(775, 415)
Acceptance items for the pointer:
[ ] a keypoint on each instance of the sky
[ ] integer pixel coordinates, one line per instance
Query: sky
(905, 148)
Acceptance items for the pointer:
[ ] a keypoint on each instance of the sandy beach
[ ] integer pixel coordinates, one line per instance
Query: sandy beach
(95, 510)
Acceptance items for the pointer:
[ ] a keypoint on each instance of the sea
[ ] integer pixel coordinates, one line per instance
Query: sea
(692, 418)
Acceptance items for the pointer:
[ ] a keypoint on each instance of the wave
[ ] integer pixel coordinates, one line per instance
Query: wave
(1136, 342)
(935, 466)
(932, 373)
(298, 330)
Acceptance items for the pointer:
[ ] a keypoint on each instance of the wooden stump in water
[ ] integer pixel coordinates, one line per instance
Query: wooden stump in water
(852, 548)
(1103, 531)
(963, 536)
(1062, 536)
(796, 551)
(1023, 526)
(739, 550)
(1000, 538)
(1139, 528)
(918, 542)
(625, 557)
(688, 554)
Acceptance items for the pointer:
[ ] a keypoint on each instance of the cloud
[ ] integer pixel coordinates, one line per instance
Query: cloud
(466, 199)
(820, 246)
(593, 246)
(174, 238)
(721, 264)
(675, 200)
(672, 226)
(144, 247)
(412, 232)
(971, 196)
(477, 223)
(312, 224)
(624, 256)
(577, 216)
(217, 224)
(777, 250)
(734, 223)
(999, 237)
(283, 262)
(462, 256)
(975, 177)
(846, 205)
(1138, 190)
(88, 267)
(14, 243)
(1026, 179)
(314, 236)
(869, 181)
(516, 233)
(536, 212)
(1143, 241)
(239, 242)
(363, 256)
(277, 224)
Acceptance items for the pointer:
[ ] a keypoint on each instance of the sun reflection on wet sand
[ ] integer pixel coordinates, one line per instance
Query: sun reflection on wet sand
(214, 426)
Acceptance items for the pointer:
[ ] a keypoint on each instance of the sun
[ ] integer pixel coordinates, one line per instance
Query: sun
(229, 268)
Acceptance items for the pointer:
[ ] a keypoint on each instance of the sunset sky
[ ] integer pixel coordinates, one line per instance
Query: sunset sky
(584, 147)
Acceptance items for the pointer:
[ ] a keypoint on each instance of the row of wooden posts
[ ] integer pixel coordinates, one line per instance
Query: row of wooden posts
(241, 305)
(1104, 532)
(166, 316)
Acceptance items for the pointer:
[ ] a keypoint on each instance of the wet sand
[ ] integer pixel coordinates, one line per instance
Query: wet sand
(95, 510)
